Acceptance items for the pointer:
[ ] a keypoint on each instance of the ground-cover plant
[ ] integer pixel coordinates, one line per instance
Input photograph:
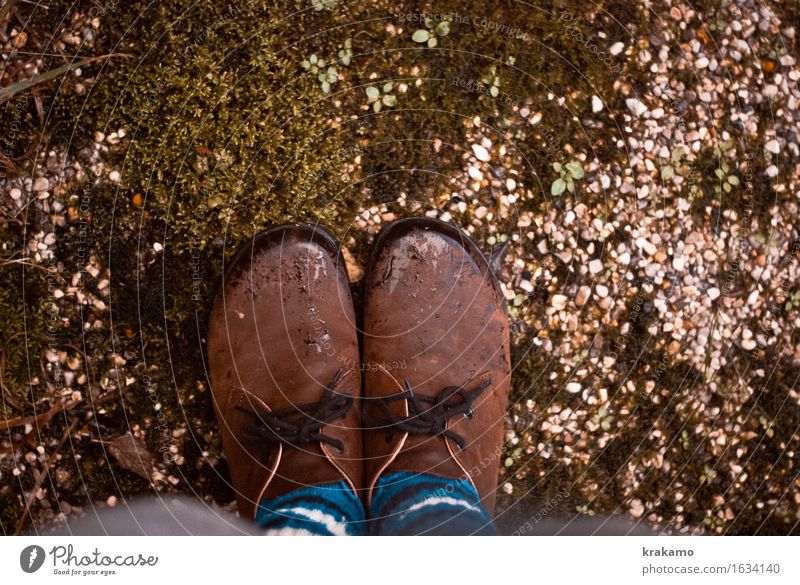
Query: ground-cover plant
(568, 173)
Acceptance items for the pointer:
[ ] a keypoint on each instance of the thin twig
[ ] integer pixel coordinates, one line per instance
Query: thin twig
(38, 419)
(10, 91)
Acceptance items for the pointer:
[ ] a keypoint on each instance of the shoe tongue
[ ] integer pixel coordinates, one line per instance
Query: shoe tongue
(301, 466)
(426, 454)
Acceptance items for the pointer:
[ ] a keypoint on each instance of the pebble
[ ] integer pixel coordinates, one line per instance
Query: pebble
(583, 295)
(355, 272)
(573, 388)
(41, 184)
(616, 48)
(636, 106)
(648, 247)
(595, 266)
(713, 293)
(601, 290)
(481, 153)
(773, 146)
(597, 104)
(559, 302)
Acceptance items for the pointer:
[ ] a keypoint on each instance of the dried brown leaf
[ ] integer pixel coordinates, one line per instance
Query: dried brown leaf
(131, 453)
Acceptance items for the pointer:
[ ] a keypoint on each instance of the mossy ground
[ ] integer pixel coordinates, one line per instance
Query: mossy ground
(226, 134)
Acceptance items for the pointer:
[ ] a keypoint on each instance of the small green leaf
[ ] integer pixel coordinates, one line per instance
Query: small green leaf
(373, 93)
(558, 186)
(726, 187)
(432, 42)
(377, 106)
(326, 87)
(719, 173)
(570, 185)
(557, 167)
(733, 180)
(575, 169)
(389, 100)
(493, 91)
(443, 28)
(667, 172)
(387, 87)
(420, 36)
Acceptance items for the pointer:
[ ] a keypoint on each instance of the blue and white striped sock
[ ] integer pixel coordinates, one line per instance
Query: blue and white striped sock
(407, 503)
(331, 509)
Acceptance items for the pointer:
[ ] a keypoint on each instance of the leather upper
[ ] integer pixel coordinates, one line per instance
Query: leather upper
(281, 328)
(434, 317)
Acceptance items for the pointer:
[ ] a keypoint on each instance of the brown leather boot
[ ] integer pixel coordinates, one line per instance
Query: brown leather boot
(436, 357)
(285, 369)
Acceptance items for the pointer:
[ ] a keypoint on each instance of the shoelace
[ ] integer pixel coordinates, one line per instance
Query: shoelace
(428, 415)
(284, 426)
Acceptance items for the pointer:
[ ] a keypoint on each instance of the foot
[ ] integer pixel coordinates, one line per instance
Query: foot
(284, 365)
(436, 358)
